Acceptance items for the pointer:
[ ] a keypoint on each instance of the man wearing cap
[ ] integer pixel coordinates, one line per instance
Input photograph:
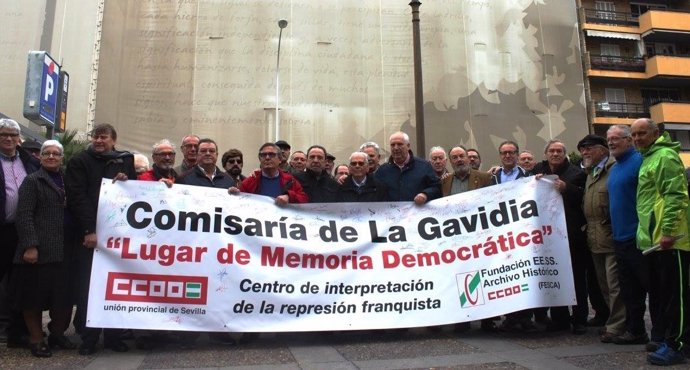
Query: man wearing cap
(662, 210)
(595, 204)
(33, 147)
(330, 163)
(285, 155)
(17, 163)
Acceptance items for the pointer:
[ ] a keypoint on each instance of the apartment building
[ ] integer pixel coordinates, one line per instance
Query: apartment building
(636, 57)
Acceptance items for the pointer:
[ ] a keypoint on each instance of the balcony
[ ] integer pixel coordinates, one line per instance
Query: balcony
(655, 21)
(621, 110)
(668, 66)
(617, 63)
(609, 18)
(671, 112)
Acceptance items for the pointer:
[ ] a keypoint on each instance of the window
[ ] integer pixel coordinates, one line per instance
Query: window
(652, 96)
(605, 9)
(681, 136)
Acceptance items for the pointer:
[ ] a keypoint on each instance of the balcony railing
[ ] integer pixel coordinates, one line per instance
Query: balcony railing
(610, 17)
(623, 110)
(617, 63)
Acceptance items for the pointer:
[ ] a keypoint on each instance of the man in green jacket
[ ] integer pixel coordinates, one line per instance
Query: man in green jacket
(662, 208)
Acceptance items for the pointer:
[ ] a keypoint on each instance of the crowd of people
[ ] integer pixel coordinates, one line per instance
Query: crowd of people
(625, 204)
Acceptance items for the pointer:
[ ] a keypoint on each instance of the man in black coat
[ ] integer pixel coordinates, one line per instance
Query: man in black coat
(83, 185)
(315, 180)
(360, 185)
(571, 184)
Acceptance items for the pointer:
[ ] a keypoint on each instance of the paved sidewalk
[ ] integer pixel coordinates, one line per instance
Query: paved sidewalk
(414, 349)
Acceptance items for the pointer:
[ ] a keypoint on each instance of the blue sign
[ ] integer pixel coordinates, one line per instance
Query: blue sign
(48, 107)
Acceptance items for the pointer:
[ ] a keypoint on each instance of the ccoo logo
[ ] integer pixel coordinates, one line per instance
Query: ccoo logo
(470, 289)
(122, 286)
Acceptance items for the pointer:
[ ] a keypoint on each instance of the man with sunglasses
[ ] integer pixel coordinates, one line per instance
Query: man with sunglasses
(360, 185)
(233, 162)
(270, 180)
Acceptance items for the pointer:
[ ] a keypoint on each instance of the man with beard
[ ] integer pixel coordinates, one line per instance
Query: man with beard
(163, 161)
(570, 182)
(475, 158)
(83, 177)
(465, 178)
(189, 147)
(597, 163)
(408, 178)
(233, 161)
(284, 154)
(316, 181)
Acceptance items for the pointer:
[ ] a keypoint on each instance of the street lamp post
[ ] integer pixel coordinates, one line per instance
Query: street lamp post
(281, 24)
(418, 90)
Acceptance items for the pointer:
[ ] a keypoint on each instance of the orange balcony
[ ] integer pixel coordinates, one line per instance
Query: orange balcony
(669, 21)
(671, 112)
(666, 65)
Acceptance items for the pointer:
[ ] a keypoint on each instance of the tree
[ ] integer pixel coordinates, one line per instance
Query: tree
(72, 144)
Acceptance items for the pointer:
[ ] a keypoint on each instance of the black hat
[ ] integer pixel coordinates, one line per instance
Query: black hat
(330, 156)
(591, 140)
(282, 144)
(31, 145)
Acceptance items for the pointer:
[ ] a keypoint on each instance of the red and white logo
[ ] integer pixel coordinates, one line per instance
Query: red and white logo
(123, 286)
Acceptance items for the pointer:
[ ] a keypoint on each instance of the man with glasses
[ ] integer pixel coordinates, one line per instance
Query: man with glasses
(206, 173)
(475, 158)
(163, 161)
(189, 147)
(316, 180)
(271, 181)
(233, 161)
(509, 170)
(360, 185)
(17, 163)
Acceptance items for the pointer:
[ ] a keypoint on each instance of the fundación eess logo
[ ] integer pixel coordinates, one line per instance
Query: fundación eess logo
(123, 286)
(470, 289)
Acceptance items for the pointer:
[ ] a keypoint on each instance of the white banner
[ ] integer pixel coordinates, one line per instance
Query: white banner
(196, 258)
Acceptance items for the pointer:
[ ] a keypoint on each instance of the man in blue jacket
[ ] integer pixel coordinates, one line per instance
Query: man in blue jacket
(408, 178)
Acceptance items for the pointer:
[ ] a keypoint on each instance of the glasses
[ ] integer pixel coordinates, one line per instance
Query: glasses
(5, 135)
(51, 154)
(358, 164)
(268, 155)
(508, 152)
(165, 154)
(233, 161)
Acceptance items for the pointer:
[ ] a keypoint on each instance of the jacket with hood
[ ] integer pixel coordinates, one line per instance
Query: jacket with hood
(662, 195)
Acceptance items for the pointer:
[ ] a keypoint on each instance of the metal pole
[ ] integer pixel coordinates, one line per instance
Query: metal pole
(418, 89)
(281, 24)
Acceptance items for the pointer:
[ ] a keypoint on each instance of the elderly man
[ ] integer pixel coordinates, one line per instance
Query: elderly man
(597, 163)
(475, 158)
(570, 183)
(407, 177)
(232, 162)
(526, 160)
(83, 177)
(271, 181)
(438, 160)
(285, 154)
(374, 152)
(17, 163)
(662, 210)
(163, 161)
(141, 163)
(633, 273)
(298, 161)
(206, 173)
(316, 181)
(360, 185)
(189, 147)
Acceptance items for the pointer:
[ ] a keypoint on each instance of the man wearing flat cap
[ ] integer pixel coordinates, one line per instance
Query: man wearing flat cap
(596, 161)
(330, 162)
(285, 149)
